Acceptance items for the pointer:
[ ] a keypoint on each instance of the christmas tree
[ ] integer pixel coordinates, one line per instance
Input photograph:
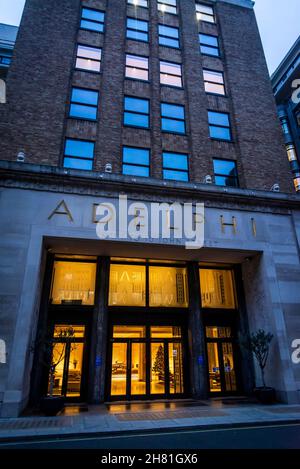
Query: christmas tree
(159, 363)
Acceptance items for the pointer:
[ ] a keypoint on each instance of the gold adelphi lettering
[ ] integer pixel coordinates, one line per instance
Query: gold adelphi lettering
(253, 225)
(224, 224)
(61, 209)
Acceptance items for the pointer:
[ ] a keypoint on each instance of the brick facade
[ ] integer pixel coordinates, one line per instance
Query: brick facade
(35, 118)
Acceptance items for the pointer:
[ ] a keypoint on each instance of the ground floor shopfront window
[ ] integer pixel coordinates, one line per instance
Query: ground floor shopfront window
(147, 337)
(146, 361)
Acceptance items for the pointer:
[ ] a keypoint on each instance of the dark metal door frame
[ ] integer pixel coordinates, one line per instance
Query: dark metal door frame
(147, 341)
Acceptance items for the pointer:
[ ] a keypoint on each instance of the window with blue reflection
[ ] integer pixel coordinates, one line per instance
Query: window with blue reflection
(136, 112)
(225, 172)
(134, 155)
(175, 175)
(92, 20)
(209, 45)
(79, 154)
(136, 161)
(172, 118)
(132, 170)
(168, 36)
(175, 166)
(84, 104)
(137, 30)
(76, 163)
(218, 118)
(219, 125)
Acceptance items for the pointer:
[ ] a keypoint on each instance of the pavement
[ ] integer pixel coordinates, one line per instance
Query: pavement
(117, 418)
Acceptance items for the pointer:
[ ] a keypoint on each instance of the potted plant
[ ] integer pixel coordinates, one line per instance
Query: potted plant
(51, 404)
(259, 344)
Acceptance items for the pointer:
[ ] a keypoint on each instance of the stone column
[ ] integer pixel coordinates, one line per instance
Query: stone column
(99, 334)
(196, 337)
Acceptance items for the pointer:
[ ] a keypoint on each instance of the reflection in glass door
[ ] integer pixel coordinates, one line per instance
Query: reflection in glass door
(229, 368)
(158, 369)
(119, 369)
(214, 367)
(175, 368)
(138, 368)
(221, 360)
(146, 361)
(67, 361)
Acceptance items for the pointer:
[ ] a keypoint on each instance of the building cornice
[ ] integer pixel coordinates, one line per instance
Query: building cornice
(53, 179)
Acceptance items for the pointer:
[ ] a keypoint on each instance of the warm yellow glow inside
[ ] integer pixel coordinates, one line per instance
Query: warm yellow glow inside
(217, 289)
(127, 285)
(168, 287)
(132, 377)
(73, 282)
(67, 375)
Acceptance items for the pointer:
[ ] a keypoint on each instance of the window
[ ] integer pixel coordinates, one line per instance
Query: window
(79, 154)
(4, 60)
(205, 13)
(172, 118)
(219, 125)
(136, 112)
(136, 161)
(137, 30)
(170, 74)
(92, 20)
(168, 36)
(209, 45)
(225, 173)
(167, 6)
(88, 58)
(73, 282)
(127, 285)
(214, 82)
(217, 289)
(137, 67)
(84, 104)
(138, 3)
(168, 287)
(175, 166)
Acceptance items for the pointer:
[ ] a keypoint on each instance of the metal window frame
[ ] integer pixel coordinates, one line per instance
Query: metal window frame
(236, 178)
(170, 74)
(229, 127)
(217, 48)
(136, 112)
(95, 106)
(169, 37)
(173, 119)
(88, 58)
(92, 21)
(214, 83)
(135, 164)
(137, 30)
(161, 3)
(186, 171)
(79, 157)
(130, 67)
(213, 15)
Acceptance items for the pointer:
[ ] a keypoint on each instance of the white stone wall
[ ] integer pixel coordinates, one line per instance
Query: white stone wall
(271, 276)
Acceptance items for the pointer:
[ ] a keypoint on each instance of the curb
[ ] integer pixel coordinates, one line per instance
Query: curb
(114, 433)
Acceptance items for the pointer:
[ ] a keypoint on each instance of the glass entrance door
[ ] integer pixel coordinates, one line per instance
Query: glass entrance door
(67, 361)
(221, 360)
(146, 361)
